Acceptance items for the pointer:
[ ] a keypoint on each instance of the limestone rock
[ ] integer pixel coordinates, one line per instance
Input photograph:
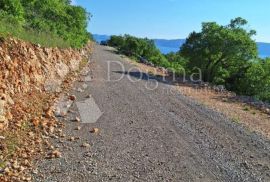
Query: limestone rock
(62, 69)
(2, 107)
(3, 123)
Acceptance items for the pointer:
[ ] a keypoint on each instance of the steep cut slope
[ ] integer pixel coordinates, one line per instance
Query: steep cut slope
(31, 78)
(26, 67)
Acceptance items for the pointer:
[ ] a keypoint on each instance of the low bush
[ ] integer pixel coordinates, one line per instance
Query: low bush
(145, 48)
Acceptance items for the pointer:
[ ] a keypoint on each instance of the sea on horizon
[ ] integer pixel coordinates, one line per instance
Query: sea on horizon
(166, 50)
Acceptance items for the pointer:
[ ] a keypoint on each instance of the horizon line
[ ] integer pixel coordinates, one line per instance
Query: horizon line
(257, 41)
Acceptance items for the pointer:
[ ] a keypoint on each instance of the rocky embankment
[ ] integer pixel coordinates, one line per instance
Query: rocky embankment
(31, 77)
(26, 67)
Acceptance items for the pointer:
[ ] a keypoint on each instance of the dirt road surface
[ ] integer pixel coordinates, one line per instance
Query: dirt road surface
(151, 135)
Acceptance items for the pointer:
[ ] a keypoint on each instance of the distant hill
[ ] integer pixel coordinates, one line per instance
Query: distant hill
(166, 46)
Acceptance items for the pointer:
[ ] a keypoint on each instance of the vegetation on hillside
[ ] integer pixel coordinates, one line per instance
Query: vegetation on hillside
(143, 48)
(223, 53)
(47, 22)
(256, 80)
(226, 55)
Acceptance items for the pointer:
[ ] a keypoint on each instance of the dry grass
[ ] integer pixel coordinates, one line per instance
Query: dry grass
(45, 39)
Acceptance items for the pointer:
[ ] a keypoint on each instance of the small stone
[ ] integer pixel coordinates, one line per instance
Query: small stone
(3, 122)
(28, 178)
(51, 129)
(31, 134)
(80, 90)
(60, 141)
(245, 165)
(21, 168)
(2, 138)
(88, 96)
(77, 119)
(15, 165)
(88, 79)
(84, 86)
(85, 145)
(224, 99)
(94, 130)
(27, 163)
(56, 154)
(78, 128)
(49, 112)
(72, 97)
(72, 139)
(35, 171)
(7, 170)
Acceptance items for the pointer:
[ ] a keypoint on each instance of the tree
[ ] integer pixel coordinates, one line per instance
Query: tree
(116, 41)
(138, 47)
(223, 53)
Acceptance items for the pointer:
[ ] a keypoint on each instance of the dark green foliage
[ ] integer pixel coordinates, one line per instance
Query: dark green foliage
(55, 17)
(221, 52)
(227, 55)
(256, 80)
(178, 63)
(116, 41)
(12, 9)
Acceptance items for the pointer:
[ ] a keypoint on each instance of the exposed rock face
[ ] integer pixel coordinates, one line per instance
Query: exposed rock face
(26, 67)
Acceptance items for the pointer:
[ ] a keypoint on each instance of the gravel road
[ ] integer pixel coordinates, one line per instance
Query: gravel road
(152, 135)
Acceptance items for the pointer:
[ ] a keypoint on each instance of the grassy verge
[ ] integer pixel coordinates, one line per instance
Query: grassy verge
(42, 38)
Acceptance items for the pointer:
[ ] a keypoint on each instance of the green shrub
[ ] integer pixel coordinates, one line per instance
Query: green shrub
(256, 81)
(177, 63)
(61, 21)
(12, 8)
(137, 47)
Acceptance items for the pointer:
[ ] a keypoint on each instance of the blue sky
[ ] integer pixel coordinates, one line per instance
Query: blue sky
(172, 19)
